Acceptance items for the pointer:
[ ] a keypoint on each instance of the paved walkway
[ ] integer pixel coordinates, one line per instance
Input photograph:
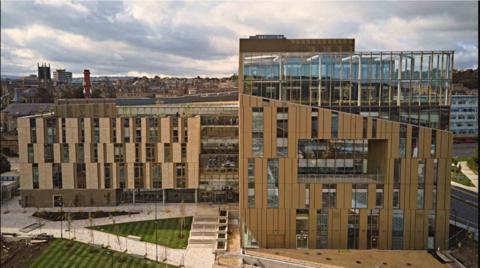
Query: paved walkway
(470, 174)
(190, 257)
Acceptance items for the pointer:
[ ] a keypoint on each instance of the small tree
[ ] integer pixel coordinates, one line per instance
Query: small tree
(182, 218)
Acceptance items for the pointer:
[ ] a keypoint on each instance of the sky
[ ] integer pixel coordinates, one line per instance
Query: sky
(201, 38)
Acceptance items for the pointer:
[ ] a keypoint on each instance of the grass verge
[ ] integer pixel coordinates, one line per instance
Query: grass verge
(167, 230)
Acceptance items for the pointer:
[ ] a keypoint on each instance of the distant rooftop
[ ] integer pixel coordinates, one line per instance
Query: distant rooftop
(24, 109)
(267, 36)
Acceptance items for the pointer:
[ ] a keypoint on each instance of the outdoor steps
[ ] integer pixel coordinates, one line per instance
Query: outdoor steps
(209, 240)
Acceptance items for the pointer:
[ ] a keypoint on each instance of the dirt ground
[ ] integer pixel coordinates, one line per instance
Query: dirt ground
(231, 257)
(17, 254)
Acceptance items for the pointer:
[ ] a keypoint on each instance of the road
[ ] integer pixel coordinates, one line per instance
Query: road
(464, 149)
(465, 206)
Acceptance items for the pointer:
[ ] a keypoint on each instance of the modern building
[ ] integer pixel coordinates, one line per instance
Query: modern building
(464, 117)
(343, 149)
(107, 152)
(61, 76)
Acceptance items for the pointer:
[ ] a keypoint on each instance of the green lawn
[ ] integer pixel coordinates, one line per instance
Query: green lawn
(168, 231)
(459, 177)
(81, 255)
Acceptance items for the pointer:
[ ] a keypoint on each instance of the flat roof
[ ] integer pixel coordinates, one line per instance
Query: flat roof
(351, 258)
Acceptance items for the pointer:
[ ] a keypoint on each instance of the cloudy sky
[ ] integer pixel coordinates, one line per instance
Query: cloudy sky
(193, 38)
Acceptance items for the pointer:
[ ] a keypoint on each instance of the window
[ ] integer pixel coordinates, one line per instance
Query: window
(301, 225)
(51, 130)
(397, 229)
(353, 227)
(373, 223)
(175, 129)
(365, 127)
(435, 183)
(64, 131)
(433, 146)
(257, 132)
(374, 127)
(421, 184)
(57, 176)
(156, 175)
(282, 131)
(33, 130)
(359, 195)
(35, 176)
(181, 175)
(314, 133)
(48, 153)
(403, 140)
(138, 176)
(81, 129)
(307, 195)
(138, 153)
(396, 198)
(80, 176)
(415, 140)
(94, 152)
(379, 196)
(334, 124)
(96, 130)
(153, 130)
(272, 183)
(65, 153)
(30, 154)
(183, 152)
(322, 228)
(108, 175)
(118, 152)
(122, 171)
(150, 152)
(431, 230)
(329, 195)
(113, 127)
(167, 156)
(126, 130)
(80, 153)
(251, 183)
(138, 130)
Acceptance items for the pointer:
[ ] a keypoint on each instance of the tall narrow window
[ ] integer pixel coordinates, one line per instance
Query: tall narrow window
(397, 229)
(156, 175)
(81, 130)
(30, 153)
(379, 196)
(175, 129)
(435, 184)
(322, 228)
(65, 153)
(282, 131)
(301, 226)
(314, 133)
(307, 195)
(94, 152)
(33, 130)
(138, 129)
(138, 176)
(64, 130)
(122, 173)
(80, 176)
(374, 128)
(51, 130)
(48, 153)
(334, 124)
(150, 151)
(433, 146)
(415, 140)
(126, 130)
(373, 223)
(108, 175)
(431, 230)
(152, 130)
(80, 153)
(138, 153)
(257, 132)
(35, 176)
(421, 184)
(403, 140)
(57, 176)
(272, 183)
(353, 227)
(118, 153)
(167, 156)
(181, 175)
(396, 183)
(113, 128)
(96, 130)
(365, 127)
(251, 183)
(329, 196)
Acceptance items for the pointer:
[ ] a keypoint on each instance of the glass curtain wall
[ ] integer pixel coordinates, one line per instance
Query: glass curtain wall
(407, 86)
